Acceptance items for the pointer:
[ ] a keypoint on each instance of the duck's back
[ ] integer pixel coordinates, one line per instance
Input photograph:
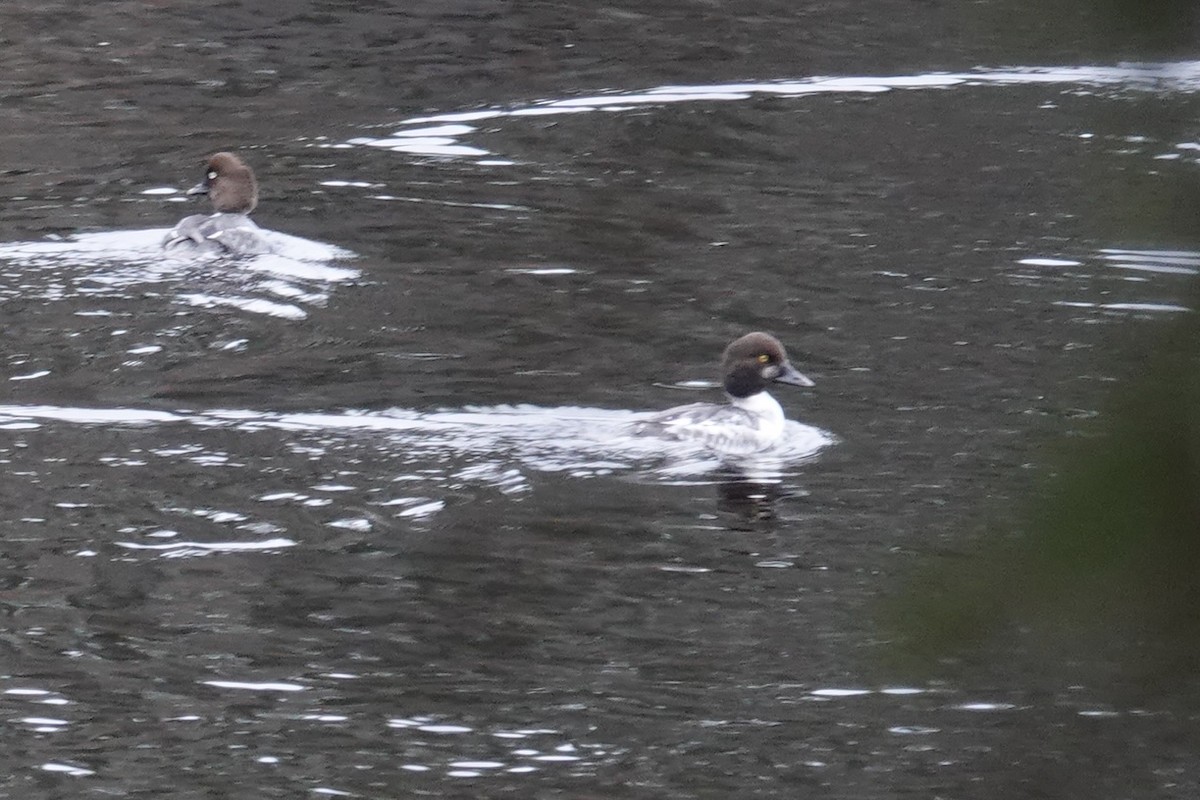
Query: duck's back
(219, 233)
(725, 429)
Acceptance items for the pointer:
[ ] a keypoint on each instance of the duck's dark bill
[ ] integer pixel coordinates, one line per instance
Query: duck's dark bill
(790, 375)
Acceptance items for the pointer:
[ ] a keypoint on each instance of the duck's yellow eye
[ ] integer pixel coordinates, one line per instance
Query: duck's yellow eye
(763, 358)
(212, 175)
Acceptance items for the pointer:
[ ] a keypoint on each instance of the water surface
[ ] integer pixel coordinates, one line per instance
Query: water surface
(365, 520)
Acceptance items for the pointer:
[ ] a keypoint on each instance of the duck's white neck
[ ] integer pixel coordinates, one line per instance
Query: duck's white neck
(765, 409)
(757, 403)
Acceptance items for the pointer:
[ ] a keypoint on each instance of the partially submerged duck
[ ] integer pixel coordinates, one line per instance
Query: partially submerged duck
(233, 191)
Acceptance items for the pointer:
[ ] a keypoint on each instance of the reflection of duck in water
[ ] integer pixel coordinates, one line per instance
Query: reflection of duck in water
(748, 499)
(231, 187)
(752, 421)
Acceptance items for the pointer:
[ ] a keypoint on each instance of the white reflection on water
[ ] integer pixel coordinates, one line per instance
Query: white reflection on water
(1149, 268)
(255, 686)
(69, 769)
(1147, 307)
(521, 759)
(187, 549)
(440, 134)
(985, 706)
(1163, 262)
(489, 445)
(126, 264)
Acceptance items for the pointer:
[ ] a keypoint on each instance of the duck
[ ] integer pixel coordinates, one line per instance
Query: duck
(752, 420)
(233, 191)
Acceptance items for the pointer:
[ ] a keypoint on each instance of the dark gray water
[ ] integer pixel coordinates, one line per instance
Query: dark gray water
(360, 519)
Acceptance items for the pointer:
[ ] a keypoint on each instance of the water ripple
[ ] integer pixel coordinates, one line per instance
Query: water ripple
(131, 264)
(1117, 272)
(440, 135)
(494, 446)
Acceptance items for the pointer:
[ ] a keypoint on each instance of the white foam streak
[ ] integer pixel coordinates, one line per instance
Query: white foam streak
(212, 547)
(91, 416)
(1181, 76)
(126, 264)
(496, 442)
(441, 149)
(1148, 307)
(255, 687)
(251, 305)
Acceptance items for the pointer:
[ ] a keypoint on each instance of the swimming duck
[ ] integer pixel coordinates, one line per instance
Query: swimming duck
(233, 191)
(752, 420)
